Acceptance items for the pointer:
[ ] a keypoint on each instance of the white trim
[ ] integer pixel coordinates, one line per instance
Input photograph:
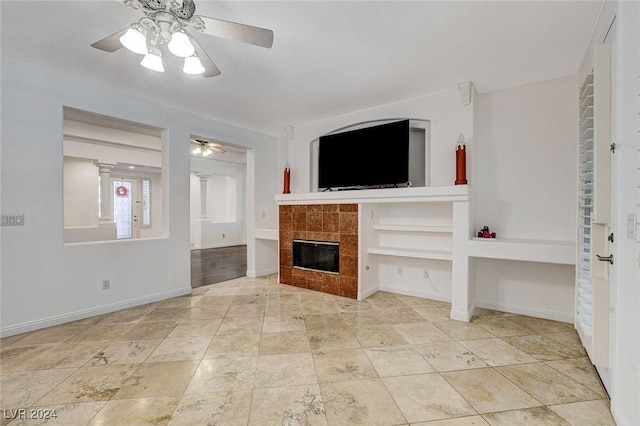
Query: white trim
(525, 310)
(460, 316)
(368, 292)
(91, 312)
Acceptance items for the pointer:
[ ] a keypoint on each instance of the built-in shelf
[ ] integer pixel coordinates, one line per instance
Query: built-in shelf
(414, 228)
(266, 234)
(414, 253)
(527, 250)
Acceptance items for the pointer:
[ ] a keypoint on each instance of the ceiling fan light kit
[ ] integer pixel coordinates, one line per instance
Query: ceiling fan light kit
(164, 24)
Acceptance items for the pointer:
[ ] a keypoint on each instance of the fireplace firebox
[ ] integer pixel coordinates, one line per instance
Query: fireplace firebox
(323, 256)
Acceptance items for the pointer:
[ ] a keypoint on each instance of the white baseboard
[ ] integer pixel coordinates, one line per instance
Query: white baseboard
(368, 292)
(261, 272)
(407, 291)
(526, 310)
(91, 312)
(460, 315)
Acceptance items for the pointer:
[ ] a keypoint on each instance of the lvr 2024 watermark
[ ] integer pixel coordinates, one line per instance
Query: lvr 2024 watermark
(28, 413)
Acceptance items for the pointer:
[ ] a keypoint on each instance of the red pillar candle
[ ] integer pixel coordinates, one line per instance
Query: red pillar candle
(287, 181)
(461, 165)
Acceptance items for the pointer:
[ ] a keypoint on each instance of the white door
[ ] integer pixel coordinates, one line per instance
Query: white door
(596, 256)
(125, 207)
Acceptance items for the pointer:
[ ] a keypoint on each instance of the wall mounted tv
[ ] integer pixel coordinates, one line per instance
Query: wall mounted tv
(376, 156)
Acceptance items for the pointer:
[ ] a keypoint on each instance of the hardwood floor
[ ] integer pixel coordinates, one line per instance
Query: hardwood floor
(210, 266)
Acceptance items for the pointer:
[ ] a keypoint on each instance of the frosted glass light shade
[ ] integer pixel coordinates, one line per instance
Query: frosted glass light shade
(134, 40)
(153, 61)
(192, 65)
(180, 45)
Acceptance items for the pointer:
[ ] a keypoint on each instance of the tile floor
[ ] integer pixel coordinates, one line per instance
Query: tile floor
(254, 352)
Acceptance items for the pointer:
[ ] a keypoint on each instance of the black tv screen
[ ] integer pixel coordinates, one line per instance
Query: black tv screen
(372, 156)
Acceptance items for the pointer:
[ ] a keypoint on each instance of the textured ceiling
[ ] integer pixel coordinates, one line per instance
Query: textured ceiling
(327, 59)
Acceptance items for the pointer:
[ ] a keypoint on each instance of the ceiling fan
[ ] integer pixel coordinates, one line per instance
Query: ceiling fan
(205, 148)
(164, 23)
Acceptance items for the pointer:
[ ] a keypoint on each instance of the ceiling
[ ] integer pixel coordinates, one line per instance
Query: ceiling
(327, 59)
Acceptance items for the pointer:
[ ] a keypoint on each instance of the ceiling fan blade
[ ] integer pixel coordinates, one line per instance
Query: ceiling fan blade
(233, 31)
(210, 69)
(111, 43)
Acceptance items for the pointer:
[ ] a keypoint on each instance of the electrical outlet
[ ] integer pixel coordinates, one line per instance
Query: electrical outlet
(106, 284)
(631, 226)
(426, 273)
(399, 270)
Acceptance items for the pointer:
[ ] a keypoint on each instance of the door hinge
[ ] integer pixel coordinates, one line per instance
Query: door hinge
(610, 237)
(612, 147)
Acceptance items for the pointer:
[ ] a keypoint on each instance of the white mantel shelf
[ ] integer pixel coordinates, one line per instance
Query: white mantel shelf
(385, 195)
(527, 250)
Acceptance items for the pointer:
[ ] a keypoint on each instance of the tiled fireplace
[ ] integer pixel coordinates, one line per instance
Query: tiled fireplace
(332, 223)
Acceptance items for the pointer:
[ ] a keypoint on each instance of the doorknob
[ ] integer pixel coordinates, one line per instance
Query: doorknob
(605, 258)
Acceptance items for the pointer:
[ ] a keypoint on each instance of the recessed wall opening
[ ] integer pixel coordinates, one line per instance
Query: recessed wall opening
(322, 256)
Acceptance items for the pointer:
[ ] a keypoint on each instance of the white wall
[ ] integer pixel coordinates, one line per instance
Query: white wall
(66, 284)
(80, 192)
(525, 186)
(445, 111)
(218, 230)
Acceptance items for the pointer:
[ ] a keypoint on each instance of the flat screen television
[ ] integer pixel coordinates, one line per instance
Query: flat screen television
(370, 157)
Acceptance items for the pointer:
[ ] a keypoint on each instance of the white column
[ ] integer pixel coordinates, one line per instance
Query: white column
(204, 178)
(104, 169)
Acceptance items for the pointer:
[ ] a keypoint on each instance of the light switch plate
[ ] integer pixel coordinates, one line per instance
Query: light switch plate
(12, 220)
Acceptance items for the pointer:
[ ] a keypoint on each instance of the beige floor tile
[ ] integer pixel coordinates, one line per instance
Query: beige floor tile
(582, 371)
(546, 384)
(14, 357)
(384, 300)
(131, 315)
(541, 347)
(419, 302)
(190, 328)
(215, 408)
(182, 302)
(381, 335)
(176, 314)
(434, 313)
(246, 310)
(324, 321)
(55, 334)
(593, 413)
(401, 316)
(332, 339)
(147, 329)
(569, 339)
(538, 416)
(233, 345)
(449, 356)
(223, 374)
(284, 343)
(421, 333)
(459, 421)
(153, 379)
(22, 389)
(540, 325)
(359, 319)
(275, 309)
(497, 352)
(487, 390)
(461, 330)
(137, 412)
(292, 405)
(222, 291)
(343, 365)
(90, 384)
(285, 370)
(61, 415)
(360, 402)
(240, 325)
(10, 340)
(398, 361)
(502, 327)
(351, 305)
(124, 352)
(180, 349)
(427, 397)
(66, 355)
(283, 323)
